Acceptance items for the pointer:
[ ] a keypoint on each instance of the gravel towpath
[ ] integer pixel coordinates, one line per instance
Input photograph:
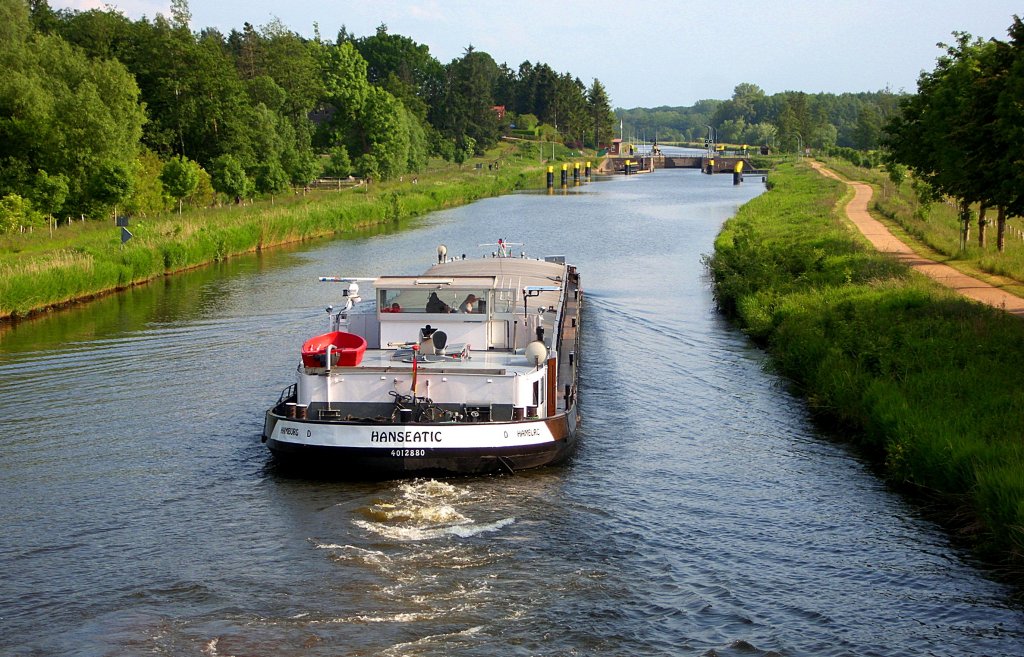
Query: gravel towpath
(886, 242)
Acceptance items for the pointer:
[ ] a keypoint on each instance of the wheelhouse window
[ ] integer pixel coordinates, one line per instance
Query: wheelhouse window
(432, 301)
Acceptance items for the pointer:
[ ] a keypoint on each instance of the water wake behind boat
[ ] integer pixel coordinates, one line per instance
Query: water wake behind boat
(424, 510)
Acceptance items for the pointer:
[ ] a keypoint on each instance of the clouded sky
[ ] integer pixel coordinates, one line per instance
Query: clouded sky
(654, 52)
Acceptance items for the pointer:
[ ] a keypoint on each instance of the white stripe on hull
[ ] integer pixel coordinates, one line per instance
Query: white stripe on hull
(481, 436)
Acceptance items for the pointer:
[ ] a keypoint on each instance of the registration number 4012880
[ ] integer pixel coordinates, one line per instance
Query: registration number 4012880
(408, 452)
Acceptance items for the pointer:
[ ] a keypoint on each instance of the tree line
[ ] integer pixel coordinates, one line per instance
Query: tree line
(100, 112)
(962, 134)
(786, 121)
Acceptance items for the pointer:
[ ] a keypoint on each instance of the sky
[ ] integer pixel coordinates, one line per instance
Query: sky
(647, 53)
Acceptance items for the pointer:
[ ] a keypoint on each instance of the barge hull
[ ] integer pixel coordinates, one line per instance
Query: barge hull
(404, 459)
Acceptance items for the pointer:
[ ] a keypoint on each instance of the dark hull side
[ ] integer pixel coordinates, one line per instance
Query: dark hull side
(369, 463)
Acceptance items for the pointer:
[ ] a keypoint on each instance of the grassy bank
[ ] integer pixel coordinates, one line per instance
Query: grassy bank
(85, 259)
(925, 381)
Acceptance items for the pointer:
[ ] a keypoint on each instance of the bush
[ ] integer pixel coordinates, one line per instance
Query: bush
(16, 213)
(180, 177)
(339, 165)
(229, 177)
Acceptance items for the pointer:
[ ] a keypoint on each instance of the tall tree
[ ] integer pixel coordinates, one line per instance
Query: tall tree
(1009, 126)
(468, 107)
(290, 62)
(229, 177)
(385, 133)
(934, 133)
(602, 120)
(402, 67)
(869, 129)
(345, 88)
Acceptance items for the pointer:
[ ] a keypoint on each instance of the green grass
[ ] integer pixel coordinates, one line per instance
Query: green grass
(86, 258)
(923, 380)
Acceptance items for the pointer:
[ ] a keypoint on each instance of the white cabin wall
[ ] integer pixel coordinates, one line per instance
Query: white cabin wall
(498, 334)
(354, 386)
(366, 325)
(460, 331)
(523, 396)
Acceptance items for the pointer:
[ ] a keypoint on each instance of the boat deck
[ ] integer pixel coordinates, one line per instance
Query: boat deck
(496, 363)
(569, 344)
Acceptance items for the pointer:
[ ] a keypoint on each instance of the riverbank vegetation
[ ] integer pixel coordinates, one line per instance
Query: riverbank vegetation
(950, 160)
(101, 115)
(209, 145)
(39, 270)
(925, 381)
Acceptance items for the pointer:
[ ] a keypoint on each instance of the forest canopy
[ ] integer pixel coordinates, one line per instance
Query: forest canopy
(786, 120)
(98, 111)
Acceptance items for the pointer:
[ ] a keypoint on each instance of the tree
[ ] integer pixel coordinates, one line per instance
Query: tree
(466, 108)
(385, 133)
(286, 58)
(181, 15)
(301, 166)
(271, 178)
(527, 122)
(788, 130)
(49, 193)
(367, 167)
(180, 178)
(572, 110)
(148, 196)
(419, 146)
(745, 105)
(402, 67)
(110, 185)
(343, 73)
(441, 146)
(1006, 182)
(43, 18)
(464, 150)
(897, 173)
(98, 32)
(602, 120)
(732, 131)
(204, 195)
(869, 129)
(339, 165)
(53, 95)
(937, 130)
(229, 177)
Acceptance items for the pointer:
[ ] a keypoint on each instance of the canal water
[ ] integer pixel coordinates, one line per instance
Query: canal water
(703, 514)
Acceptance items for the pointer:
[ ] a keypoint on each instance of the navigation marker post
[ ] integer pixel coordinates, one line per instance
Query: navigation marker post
(126, 235)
